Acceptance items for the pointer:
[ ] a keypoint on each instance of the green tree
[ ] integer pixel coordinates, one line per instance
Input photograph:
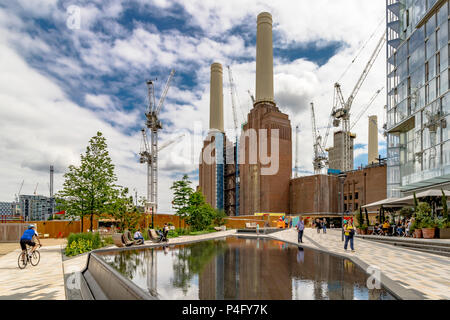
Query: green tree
(89, 188)
(122, 208)
(73, 198)
(219, 217)
(200, 214)
(182, 192)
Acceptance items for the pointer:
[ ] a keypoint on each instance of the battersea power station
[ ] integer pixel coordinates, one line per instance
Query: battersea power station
(253, 173)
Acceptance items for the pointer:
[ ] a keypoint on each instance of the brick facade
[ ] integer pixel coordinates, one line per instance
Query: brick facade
(266, 193)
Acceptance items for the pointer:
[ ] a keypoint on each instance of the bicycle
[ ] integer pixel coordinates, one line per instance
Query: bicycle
(26, 256)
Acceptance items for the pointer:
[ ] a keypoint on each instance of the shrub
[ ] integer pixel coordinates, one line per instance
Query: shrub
(78, 243)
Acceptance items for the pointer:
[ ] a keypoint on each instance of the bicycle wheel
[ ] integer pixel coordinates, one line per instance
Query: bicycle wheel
(22, 261)
(35, 258)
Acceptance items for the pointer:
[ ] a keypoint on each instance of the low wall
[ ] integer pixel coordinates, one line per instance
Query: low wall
(11, 232)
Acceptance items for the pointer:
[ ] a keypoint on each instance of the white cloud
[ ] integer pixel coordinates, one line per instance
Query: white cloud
(40, 125)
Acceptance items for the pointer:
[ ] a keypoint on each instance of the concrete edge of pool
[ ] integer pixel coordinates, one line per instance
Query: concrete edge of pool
(100, 281)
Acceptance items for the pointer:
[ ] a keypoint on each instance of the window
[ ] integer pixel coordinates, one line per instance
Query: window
(356, 195)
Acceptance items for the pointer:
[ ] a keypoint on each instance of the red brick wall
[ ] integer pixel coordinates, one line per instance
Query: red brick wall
(266, 193)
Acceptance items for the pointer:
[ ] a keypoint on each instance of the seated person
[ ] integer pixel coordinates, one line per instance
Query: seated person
(138, 235)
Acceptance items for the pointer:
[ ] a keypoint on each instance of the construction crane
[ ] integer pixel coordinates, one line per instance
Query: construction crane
(233, 93)
(233, 102)
(150, 154)
(20, 189)
(319, 155)
(342, 107)
(251, 96)
(35, 189)
(364, 110)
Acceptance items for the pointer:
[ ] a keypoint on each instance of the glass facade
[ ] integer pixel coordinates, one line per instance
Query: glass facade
(417, 94)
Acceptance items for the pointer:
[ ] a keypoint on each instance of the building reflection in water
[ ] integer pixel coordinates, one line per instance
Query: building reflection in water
(244, 269)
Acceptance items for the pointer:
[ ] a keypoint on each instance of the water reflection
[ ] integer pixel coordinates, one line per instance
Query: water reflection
(236, 268)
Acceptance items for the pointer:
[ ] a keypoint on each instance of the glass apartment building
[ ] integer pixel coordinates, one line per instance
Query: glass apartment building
(418, 106)
(36, 208)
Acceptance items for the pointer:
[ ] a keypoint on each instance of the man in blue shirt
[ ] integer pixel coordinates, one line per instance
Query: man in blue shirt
(300, 227)
(27, 238)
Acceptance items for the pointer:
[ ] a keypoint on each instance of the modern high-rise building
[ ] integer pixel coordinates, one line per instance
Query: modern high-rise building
(35, 207)
(6, 208)
(418, 108)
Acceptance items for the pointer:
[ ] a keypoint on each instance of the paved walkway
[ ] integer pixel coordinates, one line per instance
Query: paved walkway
(46, 280)
(43, 282)
(427, 274)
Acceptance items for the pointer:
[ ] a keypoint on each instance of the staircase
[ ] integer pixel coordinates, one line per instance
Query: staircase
(434, 246)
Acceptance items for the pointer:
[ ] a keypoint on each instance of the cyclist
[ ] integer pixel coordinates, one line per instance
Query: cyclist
(27, 238)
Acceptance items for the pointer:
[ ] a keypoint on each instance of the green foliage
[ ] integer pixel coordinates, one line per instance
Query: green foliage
(219, 217)
(416, 203)
(78, 243)
(182, 192)
(200, 214)
(359, 217)
(444, 206)
(406, 212)
(88, 189)
(121, 207)
(107, 241)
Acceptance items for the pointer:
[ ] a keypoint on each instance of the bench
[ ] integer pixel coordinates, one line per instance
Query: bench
(251, 225)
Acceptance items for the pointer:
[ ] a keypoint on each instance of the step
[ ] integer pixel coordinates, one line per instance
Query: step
(417, 245)
(388, 239)
(439, 253)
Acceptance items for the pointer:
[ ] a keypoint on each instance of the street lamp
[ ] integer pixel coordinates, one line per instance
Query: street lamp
(342, 178)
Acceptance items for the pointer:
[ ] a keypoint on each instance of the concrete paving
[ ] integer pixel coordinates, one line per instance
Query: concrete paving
(42, 282)
(428, 275)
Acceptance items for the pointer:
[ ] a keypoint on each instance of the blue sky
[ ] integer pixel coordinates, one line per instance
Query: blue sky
(61, 85)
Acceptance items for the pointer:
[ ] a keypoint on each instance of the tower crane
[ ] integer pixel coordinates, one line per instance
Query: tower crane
(319, 156)
(20, 189)
(233, 93)
(150, 154)
(342, 107)
(364, 110)
(35, 189)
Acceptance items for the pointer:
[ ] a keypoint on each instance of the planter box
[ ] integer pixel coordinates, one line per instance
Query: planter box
(444, 233)
(428, 233)
(418, 233)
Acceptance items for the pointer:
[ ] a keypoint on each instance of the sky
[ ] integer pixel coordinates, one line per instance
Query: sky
(71, 68)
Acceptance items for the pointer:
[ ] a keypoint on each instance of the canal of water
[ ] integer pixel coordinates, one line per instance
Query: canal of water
(238, 268)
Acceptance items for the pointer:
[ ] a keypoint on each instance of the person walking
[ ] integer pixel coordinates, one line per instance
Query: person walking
(300, 228)
(318, 225)
(324, 222)
(349, 232)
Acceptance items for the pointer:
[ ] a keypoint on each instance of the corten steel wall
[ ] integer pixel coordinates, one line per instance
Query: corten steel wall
(11, 232)
(370, 185)
(314, 195)
(266, 193)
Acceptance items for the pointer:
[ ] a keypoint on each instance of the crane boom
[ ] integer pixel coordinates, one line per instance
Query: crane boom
(170, 142)
(166, 89)
(364, 110)
(366, 70)
(233, 101)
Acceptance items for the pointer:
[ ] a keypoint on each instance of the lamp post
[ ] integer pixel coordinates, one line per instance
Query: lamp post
(342, 178)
